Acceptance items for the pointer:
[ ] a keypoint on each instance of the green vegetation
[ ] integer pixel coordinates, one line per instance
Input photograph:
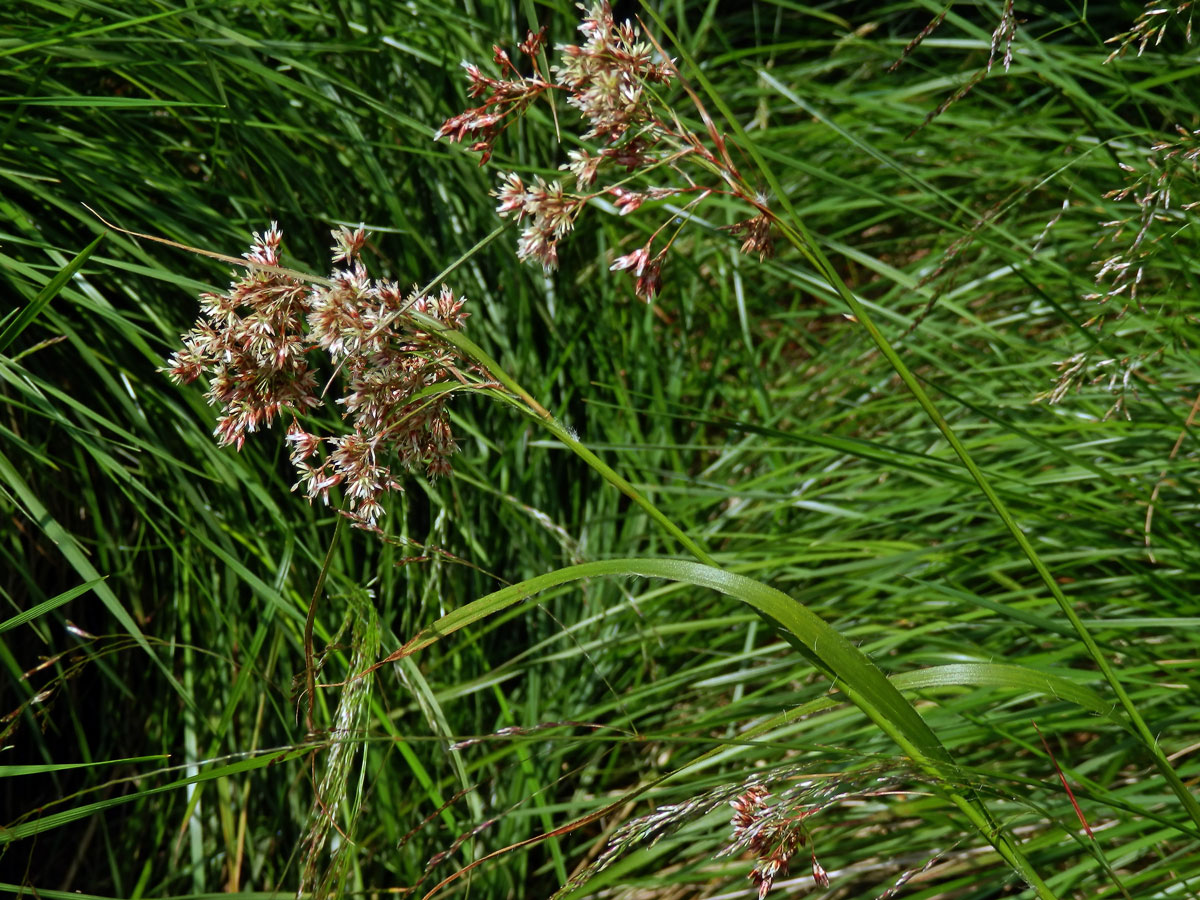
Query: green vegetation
(883, 544)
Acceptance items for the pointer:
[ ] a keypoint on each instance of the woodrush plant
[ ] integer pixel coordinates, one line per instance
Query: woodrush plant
(208, 523)
(612, 81)
(771, 820)
(259, 359)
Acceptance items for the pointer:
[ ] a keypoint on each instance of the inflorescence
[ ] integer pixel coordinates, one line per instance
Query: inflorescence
(255, 343)
(611, 79)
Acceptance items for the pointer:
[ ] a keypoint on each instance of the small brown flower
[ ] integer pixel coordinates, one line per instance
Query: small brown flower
(347, 244)
(626, 201)
(757, 232)
(646, 269)
(820, 876)
(636, 261)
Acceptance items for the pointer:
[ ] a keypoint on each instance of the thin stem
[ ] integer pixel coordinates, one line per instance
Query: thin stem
(460, 341)
(310, 669)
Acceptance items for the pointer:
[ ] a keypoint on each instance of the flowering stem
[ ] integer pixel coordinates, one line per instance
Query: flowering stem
(310, 669)
(454, 266)
(531, 406)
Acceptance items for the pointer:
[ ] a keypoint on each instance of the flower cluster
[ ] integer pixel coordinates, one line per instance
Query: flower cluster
(608, 74)
(773, 833)
(1005, 32)
(1169, 163)
(251, 341)
(345, 741)
(505, 98)
(255, 340)
(610, 80)
(773, 828)
(548, 212)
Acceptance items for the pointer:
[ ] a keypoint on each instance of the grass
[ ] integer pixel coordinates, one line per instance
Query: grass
(156, 588)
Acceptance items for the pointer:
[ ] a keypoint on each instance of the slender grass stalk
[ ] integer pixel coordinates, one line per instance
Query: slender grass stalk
(310, 668)
(563, 434)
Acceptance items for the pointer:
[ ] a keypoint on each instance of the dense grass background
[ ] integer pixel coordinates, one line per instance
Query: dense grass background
(155, 588)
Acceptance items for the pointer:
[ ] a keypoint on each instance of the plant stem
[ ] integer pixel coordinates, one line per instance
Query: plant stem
(550, 423)
(310, 669)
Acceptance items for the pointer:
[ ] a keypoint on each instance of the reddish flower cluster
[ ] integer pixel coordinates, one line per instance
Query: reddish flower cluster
(646, 269)
(757, 232)
(772, 837)
(504, 98)
(609, 80)
(254, 342)
(251, 341)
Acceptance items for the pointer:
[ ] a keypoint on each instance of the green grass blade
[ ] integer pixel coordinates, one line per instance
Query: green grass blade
(46, 605)
(12, 330)
(856, 675)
